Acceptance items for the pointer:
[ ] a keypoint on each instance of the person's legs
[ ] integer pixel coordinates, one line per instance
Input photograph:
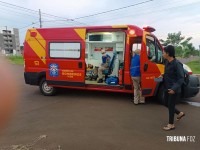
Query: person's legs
(136, 84)
(166, 95)
(170, 102)
(171, 107)
(142, 99)
(100, 74)
(166, 102)
(100, 70)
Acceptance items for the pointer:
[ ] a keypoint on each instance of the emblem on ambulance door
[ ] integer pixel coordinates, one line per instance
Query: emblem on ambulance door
(53, 68)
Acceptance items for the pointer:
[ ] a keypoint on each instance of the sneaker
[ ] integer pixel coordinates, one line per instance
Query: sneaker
(135, 102)
(180, 115)
(142, 102)
(100, 81)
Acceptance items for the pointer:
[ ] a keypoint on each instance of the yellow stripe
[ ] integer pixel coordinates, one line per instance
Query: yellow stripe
(127, 40)
(161, 68)
(81, 33)
(144, 37)
(38, 44)
(119, 26)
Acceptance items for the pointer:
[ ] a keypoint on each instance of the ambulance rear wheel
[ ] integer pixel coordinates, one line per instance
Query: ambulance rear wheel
(45, 89)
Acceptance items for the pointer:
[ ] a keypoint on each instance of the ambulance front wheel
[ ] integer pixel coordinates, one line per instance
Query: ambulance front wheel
(45, 89)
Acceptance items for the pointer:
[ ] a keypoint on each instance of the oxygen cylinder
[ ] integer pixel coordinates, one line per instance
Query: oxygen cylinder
(120, 75)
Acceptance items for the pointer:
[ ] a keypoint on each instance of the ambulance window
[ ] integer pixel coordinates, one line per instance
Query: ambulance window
(151, 49)
(65, 50)
(159, 53)
(137, 44)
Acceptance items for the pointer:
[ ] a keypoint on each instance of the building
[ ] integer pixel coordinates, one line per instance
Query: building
(9, 41)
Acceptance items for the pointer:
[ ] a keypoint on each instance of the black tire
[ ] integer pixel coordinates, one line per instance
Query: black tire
(45, 89)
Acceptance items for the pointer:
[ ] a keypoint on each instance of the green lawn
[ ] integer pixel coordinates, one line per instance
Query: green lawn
(16, 59)
(195, 66)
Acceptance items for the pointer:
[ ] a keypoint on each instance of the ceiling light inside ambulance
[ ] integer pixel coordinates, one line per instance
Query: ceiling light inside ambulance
(149, 29)
(132, 32)
(33, 34)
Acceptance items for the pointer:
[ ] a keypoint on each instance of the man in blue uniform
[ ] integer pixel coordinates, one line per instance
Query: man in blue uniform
(135, 76)
(104, 65)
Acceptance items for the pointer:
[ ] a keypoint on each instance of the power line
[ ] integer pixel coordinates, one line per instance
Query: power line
(12, 5)
(73, 20)
(107, 12)
(97, 13)
(40, 18)
(147, 12)
(114, 9)
(29, 25)
(27, 9)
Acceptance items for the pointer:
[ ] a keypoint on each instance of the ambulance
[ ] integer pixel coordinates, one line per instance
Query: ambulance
(68, 58)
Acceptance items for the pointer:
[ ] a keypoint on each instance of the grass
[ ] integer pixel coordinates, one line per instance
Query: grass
(195, 66)
(16, 59)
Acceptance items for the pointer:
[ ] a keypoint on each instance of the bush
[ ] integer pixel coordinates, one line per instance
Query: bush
(16, 59)
(195, 66)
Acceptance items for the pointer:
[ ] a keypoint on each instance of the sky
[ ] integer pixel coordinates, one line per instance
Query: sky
(166, 16)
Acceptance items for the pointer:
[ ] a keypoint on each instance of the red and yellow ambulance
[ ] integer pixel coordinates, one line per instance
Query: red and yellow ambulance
(58, 57)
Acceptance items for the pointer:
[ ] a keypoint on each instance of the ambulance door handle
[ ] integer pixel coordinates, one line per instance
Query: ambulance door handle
(145, 66)
(80, 65)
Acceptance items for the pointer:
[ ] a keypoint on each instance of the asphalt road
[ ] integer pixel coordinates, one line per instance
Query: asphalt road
(90, 120)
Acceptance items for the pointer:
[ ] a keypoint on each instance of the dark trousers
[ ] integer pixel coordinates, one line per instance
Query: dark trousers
(170, 102)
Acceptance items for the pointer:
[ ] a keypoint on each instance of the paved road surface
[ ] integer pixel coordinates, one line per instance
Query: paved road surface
(89, 120)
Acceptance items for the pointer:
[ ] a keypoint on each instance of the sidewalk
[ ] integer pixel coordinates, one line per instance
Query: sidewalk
(186, 60)
(198, 75)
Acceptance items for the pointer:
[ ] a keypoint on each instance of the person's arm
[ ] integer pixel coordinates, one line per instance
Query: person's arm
(180, 77)
(107, 61)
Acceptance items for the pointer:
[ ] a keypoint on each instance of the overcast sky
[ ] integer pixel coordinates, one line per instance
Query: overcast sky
(167, 16)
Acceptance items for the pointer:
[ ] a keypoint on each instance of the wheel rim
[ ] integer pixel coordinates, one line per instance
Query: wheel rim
(46, 88)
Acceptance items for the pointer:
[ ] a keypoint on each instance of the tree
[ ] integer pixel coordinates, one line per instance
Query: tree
(173, 39)
(183, 47)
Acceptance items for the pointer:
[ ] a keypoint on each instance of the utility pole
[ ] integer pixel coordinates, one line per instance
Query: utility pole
(40, 19)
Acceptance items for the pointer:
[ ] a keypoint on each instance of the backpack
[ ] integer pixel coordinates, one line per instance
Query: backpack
(112, 80)
(186, 74)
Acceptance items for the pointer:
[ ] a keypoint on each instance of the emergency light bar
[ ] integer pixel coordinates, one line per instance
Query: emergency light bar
(149, 29)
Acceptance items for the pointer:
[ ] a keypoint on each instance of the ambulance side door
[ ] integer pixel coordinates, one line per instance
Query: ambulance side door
(149, 66)
(66, 61)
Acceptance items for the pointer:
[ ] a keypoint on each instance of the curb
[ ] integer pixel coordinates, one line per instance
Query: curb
(198, 75)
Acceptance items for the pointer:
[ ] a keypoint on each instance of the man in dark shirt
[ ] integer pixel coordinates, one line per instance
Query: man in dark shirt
(173, 79)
